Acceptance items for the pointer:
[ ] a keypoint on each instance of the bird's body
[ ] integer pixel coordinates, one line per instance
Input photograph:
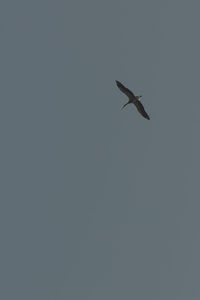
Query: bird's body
(133, 99)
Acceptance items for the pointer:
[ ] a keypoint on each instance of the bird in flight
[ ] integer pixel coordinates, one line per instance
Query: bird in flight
(133, 99)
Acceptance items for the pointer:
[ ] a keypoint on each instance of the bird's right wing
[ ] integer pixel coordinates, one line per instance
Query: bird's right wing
(141, 109)
(124, 90)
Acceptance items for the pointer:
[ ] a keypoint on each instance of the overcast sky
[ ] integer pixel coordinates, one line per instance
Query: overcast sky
(98, 203)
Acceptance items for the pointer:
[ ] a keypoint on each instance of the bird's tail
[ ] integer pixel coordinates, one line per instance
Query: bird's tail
(125, 105)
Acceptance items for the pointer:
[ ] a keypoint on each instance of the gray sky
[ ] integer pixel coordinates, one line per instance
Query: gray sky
(99, 203)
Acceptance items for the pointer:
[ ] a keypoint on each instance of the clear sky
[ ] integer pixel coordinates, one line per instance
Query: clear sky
(97, 202)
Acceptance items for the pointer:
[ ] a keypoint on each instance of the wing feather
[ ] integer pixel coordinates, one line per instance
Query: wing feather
(124, 90)
(141, 109)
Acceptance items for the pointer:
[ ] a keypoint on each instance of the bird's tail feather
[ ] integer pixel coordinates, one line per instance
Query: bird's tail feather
(125, 105)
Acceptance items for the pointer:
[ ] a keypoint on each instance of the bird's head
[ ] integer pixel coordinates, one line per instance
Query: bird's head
(139, 97)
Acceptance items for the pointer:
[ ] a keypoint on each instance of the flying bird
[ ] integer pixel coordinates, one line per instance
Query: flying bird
(133, 99)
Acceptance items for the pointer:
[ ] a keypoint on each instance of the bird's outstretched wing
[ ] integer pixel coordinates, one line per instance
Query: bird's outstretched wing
(124, 90)
(141, 110)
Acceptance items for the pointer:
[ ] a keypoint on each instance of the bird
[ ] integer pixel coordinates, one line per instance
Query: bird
(133, 99)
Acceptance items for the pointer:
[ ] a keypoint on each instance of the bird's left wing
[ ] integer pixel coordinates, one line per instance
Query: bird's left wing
(124, 90)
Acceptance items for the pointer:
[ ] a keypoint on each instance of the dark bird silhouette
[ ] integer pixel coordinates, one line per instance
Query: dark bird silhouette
(133, 99)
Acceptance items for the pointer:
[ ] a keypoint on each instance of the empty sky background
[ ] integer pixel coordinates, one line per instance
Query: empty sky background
(97, 202)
